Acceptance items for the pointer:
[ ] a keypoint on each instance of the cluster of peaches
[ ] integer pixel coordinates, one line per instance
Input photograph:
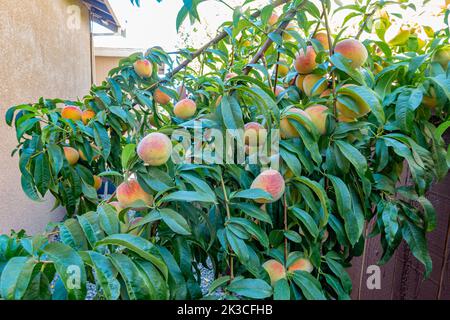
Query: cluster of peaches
(156, 148)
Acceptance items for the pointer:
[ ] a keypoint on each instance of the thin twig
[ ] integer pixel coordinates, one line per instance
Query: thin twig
(367, 16)
(285, 229)
(331, 46)
(214, 41)
(317, 26)
(227, 208)
(289, 16)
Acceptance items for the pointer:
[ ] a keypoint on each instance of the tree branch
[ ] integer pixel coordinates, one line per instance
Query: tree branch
(331, 46)
(289, 16)
(367, 16)
(214, 41)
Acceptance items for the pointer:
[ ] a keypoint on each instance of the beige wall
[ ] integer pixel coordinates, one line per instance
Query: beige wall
(103, 65)
(39, 56)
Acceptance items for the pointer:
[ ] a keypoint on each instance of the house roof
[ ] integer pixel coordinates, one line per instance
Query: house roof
(103, 14)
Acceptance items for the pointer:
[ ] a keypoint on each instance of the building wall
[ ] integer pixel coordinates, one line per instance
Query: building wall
(45, 51)
(103, 65)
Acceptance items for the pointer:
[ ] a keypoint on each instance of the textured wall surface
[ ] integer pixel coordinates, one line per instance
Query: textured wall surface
(103, 65)
(44, 51)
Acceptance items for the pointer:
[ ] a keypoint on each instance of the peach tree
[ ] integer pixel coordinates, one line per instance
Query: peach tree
(360, 126)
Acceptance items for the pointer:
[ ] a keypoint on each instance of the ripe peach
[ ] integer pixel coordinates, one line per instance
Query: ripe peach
(71, 112)
(270, 181)
(353, 50)
(310, 81)
(185, 109)
(161, 97)
(275, 270)
(273, 19)
(131, 195)
(302, 264)
(71, 155)
(97, 182)
(442, 56)
(143, 68)
(155, 149)
(287, 130)
(299, 81)
(252, 134)
(87, 115)
(323, 39)
(318, 115)
(305, 63)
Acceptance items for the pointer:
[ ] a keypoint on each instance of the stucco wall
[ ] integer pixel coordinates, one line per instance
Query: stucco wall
(42, 53)
(103, 65)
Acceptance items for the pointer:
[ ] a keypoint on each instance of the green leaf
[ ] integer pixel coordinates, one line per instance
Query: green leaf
(321, 194)
(354, 222)
(293, 236)
(16, 277)
(415, 238)
(238, 246)
(337, 268)
(307, 221)
(105, 273)
(102, 139)
(252, 194)
(390, 221)
(281, 290)
(138, 245)
(176, 222)
(177, 282)
(309, 285)
(56, 157)
(71, 234)
(354, 156)
(251, 288)
(134, 280)
(217, 283)
(108, 219)
(128, 153)
(91, 228)
(159, 288)
(70, 268)
(254, 212)
(253, 229)
(340, 62)
(189, 196)
(365, 95)
(231, 113)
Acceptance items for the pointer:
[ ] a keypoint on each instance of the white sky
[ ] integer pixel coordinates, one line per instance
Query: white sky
(154, 23)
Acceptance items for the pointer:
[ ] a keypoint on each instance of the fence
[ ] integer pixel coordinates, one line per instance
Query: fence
(402, 277)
